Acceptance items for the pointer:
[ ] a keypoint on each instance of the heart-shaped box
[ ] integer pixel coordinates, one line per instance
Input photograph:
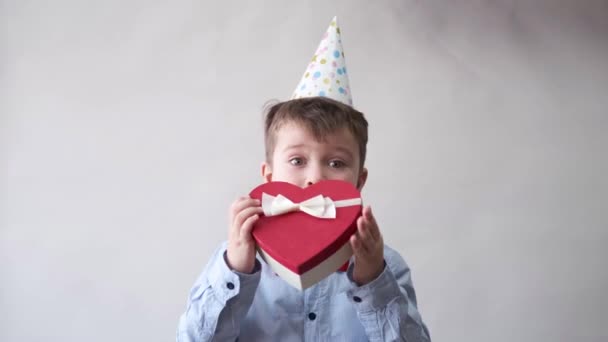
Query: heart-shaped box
(300, 247)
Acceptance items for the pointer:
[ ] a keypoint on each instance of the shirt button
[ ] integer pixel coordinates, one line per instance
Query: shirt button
(357, 299)
(230, 286)
(312, 316)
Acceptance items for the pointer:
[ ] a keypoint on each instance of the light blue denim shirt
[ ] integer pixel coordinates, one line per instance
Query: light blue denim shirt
(226, 306)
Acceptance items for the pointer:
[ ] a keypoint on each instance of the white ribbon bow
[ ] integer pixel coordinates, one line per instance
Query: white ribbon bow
(318, 206)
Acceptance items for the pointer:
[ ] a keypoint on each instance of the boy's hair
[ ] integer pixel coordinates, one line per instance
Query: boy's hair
(321, 115)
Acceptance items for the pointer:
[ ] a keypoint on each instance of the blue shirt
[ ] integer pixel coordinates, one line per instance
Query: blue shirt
(225, 305)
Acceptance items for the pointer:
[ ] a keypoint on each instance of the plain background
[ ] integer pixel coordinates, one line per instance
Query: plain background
(128, 127)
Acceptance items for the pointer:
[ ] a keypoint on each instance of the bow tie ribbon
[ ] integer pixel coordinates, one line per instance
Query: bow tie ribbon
(317, 206)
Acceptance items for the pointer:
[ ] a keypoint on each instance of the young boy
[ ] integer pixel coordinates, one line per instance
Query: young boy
(237, 297)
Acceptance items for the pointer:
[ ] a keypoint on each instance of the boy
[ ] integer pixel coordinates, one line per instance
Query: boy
(236, 297)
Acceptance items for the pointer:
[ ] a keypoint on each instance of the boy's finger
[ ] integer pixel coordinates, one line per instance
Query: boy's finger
(371, 220)
(248, 227)
(237, 202)
(364, 231)
(243, 203)
(356, 246)
(240, 218)
(246, 202)
(359, 246)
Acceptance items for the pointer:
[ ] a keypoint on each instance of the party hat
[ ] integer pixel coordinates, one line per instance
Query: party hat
(326, 72)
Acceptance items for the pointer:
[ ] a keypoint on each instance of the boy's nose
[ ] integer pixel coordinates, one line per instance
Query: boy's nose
(314, 177)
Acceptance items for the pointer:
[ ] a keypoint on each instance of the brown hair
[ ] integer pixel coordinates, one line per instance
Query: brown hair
(321, 115)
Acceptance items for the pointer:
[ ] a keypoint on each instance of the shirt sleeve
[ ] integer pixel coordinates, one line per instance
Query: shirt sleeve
(387, 306)
(218, 301)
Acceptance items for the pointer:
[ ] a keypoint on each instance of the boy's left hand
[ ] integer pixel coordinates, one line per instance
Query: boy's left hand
(368, 248)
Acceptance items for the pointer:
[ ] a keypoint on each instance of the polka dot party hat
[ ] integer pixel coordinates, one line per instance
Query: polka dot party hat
(326, 72)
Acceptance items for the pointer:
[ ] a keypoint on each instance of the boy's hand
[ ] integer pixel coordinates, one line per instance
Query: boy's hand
(244, 212)
(368, 248)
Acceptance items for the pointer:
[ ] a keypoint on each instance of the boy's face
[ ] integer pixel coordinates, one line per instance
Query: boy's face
(301, 160)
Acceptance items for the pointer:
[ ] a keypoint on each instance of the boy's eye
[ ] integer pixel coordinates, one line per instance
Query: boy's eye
(296, 161)
(336, 164)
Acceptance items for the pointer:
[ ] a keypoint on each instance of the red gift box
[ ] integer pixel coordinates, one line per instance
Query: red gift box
(304, 233)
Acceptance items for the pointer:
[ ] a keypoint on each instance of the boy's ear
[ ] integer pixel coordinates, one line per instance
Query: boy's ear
(362, 179)
(266, 172)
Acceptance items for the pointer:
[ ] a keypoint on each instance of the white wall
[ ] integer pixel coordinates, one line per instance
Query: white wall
(127, 128)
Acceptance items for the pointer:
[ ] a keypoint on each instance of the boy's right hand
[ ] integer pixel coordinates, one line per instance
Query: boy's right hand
(244, 212)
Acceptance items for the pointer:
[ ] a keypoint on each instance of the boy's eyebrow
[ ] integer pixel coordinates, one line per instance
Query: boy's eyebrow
(290, 147)
(345, 150)
(342, 149)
